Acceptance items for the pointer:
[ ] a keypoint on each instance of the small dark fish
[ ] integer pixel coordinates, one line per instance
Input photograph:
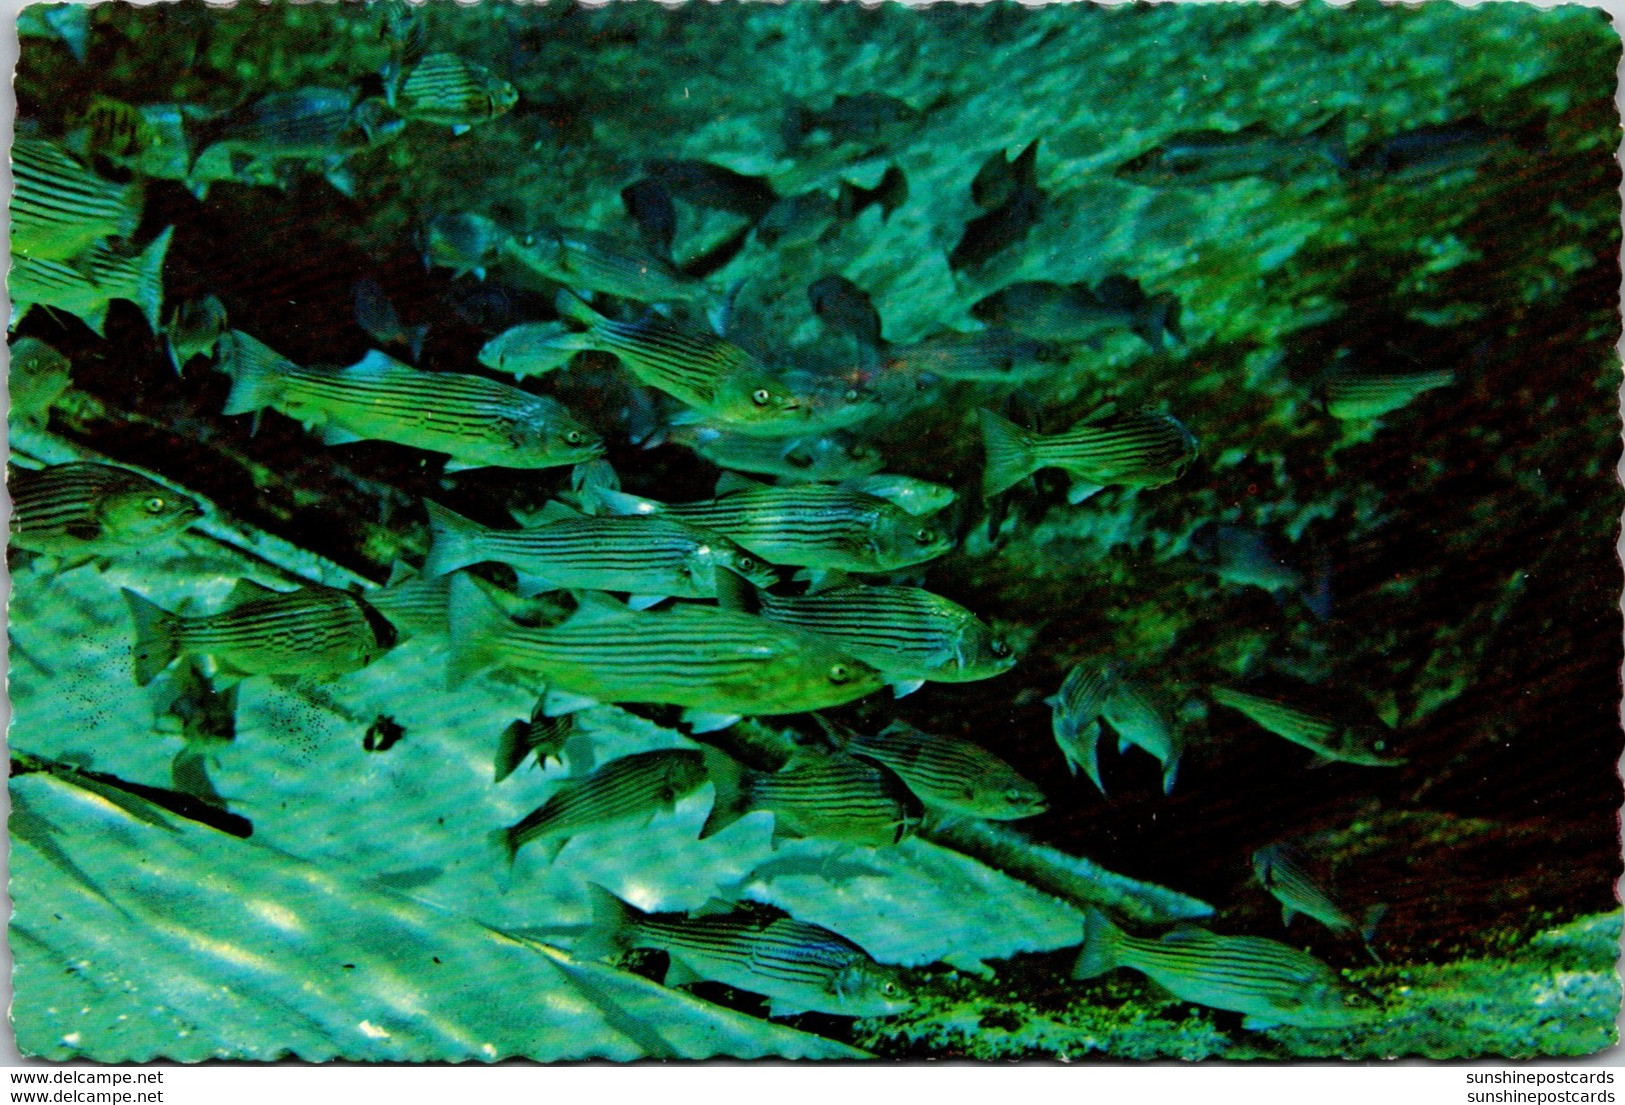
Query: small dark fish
(383, 734)
(95, 509)
(1081, 312)
(889, 193)
(1433, 151)
(194, 329)
(1328, 737)
(864, 118)
(463, 242)
(376, 314)
(799, 220)
(1244, 556)
(1280, 869)
(205, 715)
(834, 797)
(1270, 982)
(1351, 394)
(989, 356)
(636, 786)
(648, 203)
(1021, 204)
(1213, 156)
(797, 966)
(38, 377)
(702, 184)
(842, 305)
(314, 631)
(545, 736)
(1138, 449)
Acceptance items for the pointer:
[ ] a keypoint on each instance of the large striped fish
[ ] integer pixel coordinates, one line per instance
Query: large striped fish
(712, 375)
(950, 774)
(1279, 869)
(1137, 449)
(909, 634)
(60, 208)
(314, 631)
(797, 966)
(809, 526)
(589, 261)
(1270, 982)
(1359, 395)
(635, 786)
(476, 421)
(649, 556)
(831, 797)
(1077, 708)
(1330, 738)
(446, 89)
(717, 663)
(87, 508)
(86, 285)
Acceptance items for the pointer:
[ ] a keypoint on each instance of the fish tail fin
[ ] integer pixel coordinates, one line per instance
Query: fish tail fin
(1099, 952)
(1158, 325)
(1009, 453)
(512, 748)
(735, 592)
(732, 799)
(1025, 167)
(473, 625)
(1170, 772)
(156, 642)
(505, 842)
(148, 293)
(256, 382)
(454, 541)
(611, 931)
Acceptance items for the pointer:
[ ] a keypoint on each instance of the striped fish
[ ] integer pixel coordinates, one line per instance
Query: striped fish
(950, 774)
(986, 356)
(1077, 708)
(477, 422)
(1331, 739)
(646, 555)
(81, 508)
(635, 786)
(315, 631)
(717, 663)
(38, 377)
(712, 375)
(834, 797)
(60, 208)
(908, 633)
(921, 498)
(150, 139)
(797, 966)
(1139, 719)
(87, 284)
(1361, 395)
(452, 92)
(586, 260)
(300, 123)
(414, 604)
(539, 734)
(810, 526)
(1269, 982)
(827, 457)
(1138, 449)
(1280, 870)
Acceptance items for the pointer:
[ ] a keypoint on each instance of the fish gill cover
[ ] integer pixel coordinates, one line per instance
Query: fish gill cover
(814, 530)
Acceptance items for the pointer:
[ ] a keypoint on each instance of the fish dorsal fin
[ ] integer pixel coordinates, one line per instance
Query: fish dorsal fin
(1185, 934)
(827, 580)
(714, 907)
(679, 973)
(1100, 413)
(730, 483)
(246, 590)
(376, 364)
(595, 606)
(550, 511)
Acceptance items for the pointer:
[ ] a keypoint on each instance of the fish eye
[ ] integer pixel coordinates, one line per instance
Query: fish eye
(1013, 795)
(154, 505)
(573, 437)
(747, 564)
(851, 395)
(760, 396)
(839, 673)
(1379, 746)
(926, 536)
(998, 647)
(527, 240)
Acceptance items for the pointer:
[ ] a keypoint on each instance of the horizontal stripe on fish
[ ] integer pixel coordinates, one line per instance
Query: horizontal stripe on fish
(638, 785)
(89, 508)
(476, 421)
(833, 797)
(641, 554)
(59, 207)
(797, 966)
(85, 286)
(1270, 982)
(951, 774)
(1137, 449)
(315, 631)
(706, 659)
(811, 526)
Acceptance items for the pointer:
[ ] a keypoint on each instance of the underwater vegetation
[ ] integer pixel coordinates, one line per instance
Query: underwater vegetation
(630, 532)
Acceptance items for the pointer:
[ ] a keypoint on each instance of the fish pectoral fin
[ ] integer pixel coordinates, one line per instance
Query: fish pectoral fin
(643, 602)
(1287, 913)
(714, 906)
(778, 1007)
(679, 973)
(1252, 1022)
(1081, 490)
(455, 465)
(334, 434)
(246, 590)
(731, 482)
(1322, 760)
(530, 584)
(557, 703)
(703, 721)
(904, 687)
